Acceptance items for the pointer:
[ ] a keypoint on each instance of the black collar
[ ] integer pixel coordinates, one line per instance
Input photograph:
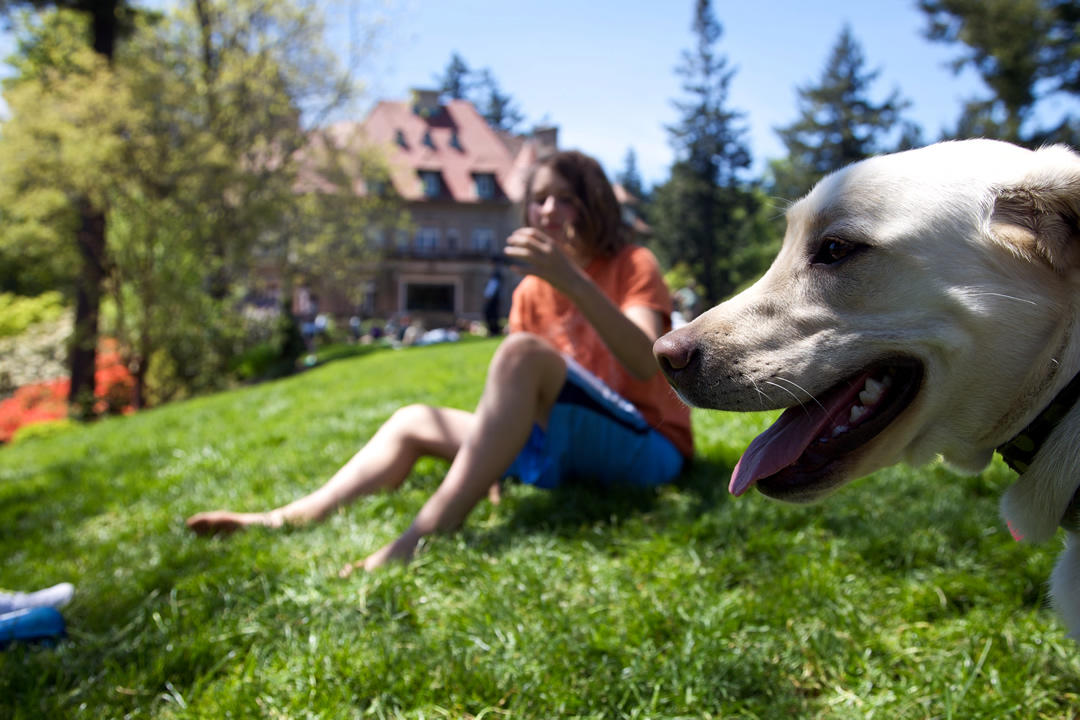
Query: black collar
(1019, 452)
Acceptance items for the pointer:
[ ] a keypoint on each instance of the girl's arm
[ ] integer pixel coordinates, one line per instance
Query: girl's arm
(629, 335)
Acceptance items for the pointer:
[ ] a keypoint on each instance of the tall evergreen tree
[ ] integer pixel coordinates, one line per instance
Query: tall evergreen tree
(460, 82)
(630, 177)
(456, 81)
(1024, 51)
(696, 212)
(838, 123)
(497, 107)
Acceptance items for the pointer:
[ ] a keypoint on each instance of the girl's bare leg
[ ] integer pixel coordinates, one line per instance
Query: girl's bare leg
(523, 382)
(382, 464)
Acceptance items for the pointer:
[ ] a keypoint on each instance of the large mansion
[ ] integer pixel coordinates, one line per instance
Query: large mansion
(462, 183)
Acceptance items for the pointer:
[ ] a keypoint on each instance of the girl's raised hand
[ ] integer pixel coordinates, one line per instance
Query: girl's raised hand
(533, 251)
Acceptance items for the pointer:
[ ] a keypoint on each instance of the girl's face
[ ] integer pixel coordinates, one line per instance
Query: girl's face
(553, 208)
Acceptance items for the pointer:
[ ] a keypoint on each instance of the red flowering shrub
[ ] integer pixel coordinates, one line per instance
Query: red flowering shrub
(46, 401)
(114, 387)
(31, 404)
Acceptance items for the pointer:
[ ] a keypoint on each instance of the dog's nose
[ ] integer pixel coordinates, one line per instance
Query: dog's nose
(674, 353)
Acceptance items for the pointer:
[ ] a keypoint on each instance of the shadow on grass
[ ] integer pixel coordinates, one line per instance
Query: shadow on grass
(707, 482)
(41, 505)
(578, 510)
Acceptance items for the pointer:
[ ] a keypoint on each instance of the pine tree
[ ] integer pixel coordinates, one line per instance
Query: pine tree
(838, 123)
(1025, 52)
(460, 82)
(630, 177)
(456, 81)
(497, 107)
(697, 211)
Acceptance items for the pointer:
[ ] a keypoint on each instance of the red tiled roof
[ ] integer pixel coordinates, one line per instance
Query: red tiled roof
(428, 143)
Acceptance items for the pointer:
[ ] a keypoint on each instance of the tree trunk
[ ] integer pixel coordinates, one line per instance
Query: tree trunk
(91, 241)
(83, 356)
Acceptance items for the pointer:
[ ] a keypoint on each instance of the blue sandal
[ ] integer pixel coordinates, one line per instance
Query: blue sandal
(31, 625)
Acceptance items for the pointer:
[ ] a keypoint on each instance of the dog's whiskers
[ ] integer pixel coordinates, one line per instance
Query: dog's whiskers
(797, 398)
(1007, 297)
(800, 387)
(763, 397)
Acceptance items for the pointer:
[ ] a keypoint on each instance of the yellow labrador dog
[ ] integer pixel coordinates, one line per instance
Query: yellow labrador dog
(923, 303)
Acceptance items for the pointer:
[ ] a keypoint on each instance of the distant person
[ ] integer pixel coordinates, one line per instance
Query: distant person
(492, 293)
(56, 596)
(573, 393)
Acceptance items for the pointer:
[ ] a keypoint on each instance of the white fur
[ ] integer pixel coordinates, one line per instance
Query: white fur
(971, 265)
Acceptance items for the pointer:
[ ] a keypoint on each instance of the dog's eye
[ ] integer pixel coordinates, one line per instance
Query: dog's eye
(833, 250)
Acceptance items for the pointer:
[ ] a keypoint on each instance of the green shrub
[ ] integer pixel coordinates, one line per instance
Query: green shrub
(257, 362)
(18, 313)
(42, 429)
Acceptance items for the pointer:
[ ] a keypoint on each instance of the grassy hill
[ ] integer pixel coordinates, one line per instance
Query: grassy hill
(901, 597)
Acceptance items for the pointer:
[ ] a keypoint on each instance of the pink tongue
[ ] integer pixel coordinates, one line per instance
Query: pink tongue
(783, 443)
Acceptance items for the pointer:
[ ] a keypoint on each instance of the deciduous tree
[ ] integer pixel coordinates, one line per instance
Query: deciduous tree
(109, 20)
(197, 145)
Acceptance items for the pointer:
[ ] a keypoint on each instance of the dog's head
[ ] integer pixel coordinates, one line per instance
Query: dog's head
(922, 304)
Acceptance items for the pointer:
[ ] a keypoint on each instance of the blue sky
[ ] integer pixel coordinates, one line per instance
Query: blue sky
(604, 71)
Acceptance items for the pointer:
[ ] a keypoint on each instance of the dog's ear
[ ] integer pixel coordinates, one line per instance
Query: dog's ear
(1039, 216)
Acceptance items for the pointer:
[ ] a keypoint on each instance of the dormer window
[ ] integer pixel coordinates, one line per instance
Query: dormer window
(455, 141)
(428, 141)
(399, 138)
(432, 183)
(485, 185)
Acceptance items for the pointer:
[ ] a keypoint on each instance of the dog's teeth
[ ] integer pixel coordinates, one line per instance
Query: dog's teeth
(872, 392)
(839, 430)
(857, 411)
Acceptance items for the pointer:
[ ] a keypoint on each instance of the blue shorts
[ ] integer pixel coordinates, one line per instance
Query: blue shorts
(593, 433)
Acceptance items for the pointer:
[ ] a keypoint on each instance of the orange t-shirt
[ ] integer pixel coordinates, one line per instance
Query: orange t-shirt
(630, 278)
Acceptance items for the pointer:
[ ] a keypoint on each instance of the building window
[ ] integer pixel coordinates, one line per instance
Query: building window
(485, 185)
(432, 183)
(399, 138)
(367, 305)
(427, 240)
(483, 239)
(453, 240)
(427, 139)
(423, 297)
(403, 239)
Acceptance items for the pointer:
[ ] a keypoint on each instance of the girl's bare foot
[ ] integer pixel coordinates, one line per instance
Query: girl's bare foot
(400, 550)
(224, 522)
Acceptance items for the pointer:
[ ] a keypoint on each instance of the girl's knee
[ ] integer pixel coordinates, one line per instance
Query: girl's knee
(523, 360)
(408, 417)
(524, 347)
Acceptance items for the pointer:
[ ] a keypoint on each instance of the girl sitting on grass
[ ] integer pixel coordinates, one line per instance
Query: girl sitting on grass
(573, 391)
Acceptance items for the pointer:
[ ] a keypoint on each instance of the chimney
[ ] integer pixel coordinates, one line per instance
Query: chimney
(547, 139)
(425, 103)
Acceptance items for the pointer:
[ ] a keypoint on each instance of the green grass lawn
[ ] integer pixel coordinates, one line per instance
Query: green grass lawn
(901, 597)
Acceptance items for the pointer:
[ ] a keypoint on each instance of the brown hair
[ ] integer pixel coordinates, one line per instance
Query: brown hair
(600, 219)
